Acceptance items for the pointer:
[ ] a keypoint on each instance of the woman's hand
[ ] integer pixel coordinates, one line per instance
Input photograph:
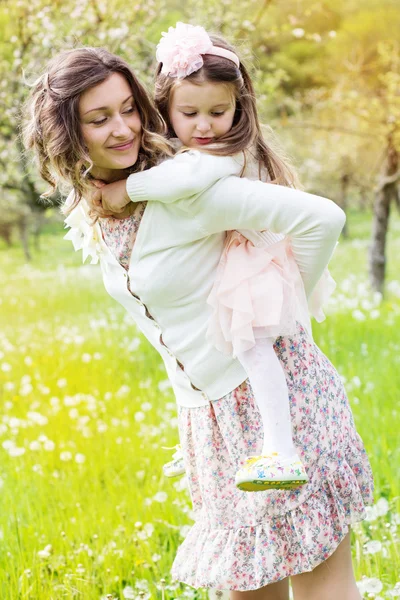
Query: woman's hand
(109, 199)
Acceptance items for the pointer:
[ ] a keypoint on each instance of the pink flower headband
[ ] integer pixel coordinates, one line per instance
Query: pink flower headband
(180, 50)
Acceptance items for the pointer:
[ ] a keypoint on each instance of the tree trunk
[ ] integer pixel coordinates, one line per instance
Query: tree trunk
(38, 223)
(364, 199)
(386, 192)
(5, 233)
(23, 226)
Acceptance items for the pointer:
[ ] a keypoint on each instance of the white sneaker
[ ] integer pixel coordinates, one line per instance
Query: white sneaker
(176, 466)
(271, 472)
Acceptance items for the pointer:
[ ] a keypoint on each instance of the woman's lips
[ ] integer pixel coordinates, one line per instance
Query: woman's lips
(203, 141)
(122, 147)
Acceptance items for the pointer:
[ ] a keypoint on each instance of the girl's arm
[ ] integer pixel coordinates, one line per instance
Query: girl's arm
(182, 176)
(312, 223)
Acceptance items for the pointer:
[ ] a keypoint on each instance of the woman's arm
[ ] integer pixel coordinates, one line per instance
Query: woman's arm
(182, 176)
(312, 223)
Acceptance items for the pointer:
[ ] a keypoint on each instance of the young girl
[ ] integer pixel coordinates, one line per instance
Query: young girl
(258, 294)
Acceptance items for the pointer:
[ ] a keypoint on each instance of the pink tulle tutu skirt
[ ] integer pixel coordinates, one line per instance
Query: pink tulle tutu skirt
(259, 293)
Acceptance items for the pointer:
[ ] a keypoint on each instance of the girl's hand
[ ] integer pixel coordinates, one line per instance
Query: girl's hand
(109, 199)
(94, 200)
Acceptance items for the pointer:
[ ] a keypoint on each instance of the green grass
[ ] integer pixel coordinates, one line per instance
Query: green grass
(80, 448)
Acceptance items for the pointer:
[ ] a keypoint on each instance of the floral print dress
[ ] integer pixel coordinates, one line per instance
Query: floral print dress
(241, 540)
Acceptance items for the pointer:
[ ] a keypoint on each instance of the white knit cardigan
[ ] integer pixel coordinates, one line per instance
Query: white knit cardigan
(192, 200)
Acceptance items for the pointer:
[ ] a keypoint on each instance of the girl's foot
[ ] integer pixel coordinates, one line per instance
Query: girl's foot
(271, 472)
(176, 466)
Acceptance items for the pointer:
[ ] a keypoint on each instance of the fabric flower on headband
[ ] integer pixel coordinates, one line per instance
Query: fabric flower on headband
(180, 49)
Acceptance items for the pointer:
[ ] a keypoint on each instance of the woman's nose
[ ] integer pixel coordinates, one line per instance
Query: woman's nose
(120, 127)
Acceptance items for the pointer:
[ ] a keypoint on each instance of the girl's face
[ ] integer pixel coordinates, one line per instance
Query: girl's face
(111, 126)
(200, 114)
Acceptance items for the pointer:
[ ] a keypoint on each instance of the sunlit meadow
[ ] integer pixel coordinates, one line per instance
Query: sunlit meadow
(86, 409)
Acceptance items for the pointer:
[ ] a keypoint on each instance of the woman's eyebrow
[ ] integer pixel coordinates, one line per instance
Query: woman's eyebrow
(105, 107)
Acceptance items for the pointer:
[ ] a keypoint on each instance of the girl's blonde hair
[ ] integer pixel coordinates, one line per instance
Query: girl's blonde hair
(245, 133)
(53, 129)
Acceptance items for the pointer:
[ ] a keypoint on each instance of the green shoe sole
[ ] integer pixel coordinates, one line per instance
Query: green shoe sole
(258, 485)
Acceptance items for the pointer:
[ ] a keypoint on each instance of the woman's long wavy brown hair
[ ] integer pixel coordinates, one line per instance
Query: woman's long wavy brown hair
(245, 134)
(53, 130)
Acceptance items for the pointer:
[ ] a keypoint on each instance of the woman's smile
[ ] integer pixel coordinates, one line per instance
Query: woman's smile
(121, 147)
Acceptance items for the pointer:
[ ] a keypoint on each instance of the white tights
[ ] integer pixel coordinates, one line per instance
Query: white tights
(268, 383)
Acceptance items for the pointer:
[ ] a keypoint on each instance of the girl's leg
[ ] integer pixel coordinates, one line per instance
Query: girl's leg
(331, 580)
(274, 591)
(268, 383)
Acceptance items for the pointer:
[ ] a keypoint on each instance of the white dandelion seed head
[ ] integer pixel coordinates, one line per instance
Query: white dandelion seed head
(373, 547)
(160, 497)
(15, 451)
(129, 593)
(382, 507)
(370, 585)
(65, 456)
(37, 418)
(395, 592)
(49, 445)
(46, 552)
(358, 315)
(35, 446)
(184, 530)
(149, 529)
(25, 389)
(164, 385)
(123, 391)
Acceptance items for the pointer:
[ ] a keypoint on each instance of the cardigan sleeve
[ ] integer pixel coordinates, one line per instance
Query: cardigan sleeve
(312, 223)
(182, 176)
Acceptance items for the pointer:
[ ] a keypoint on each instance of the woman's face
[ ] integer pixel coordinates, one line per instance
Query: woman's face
(111, 125)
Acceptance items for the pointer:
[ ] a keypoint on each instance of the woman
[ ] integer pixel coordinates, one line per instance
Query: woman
(89, 113)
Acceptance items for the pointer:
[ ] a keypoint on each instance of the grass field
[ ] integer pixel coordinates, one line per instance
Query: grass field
(85, 512)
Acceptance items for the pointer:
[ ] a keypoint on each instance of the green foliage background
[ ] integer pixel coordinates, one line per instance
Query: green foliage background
(326, 75)
(84, 512)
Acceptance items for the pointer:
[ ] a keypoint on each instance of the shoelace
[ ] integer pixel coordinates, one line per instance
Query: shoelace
(253, 459)
(178, 451)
